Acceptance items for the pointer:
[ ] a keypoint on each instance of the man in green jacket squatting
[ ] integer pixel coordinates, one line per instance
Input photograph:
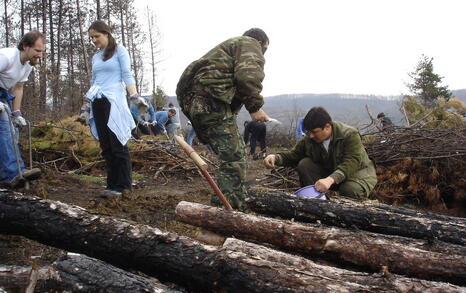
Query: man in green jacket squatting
(211, 92)
(330, 156)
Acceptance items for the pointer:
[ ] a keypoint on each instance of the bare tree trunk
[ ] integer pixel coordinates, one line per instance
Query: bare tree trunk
(151, 22)
(98, 9)
(418, 258)
(122, 22)
(43, 69)
(81, 37)
(59, 45)
(22, 18)
(7, 29)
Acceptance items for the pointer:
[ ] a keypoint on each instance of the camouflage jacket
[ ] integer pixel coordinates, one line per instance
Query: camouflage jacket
(347, 158)
(232, 72)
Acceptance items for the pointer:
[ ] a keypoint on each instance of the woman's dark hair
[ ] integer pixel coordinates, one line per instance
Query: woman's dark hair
(103, 28)
(29, 39)
(257, 34)
(317, 117)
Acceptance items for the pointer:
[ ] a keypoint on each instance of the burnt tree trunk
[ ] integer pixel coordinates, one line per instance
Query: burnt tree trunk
(183, 260)
(332, 279)
(442, 261)
(78, 273)
(379, 218)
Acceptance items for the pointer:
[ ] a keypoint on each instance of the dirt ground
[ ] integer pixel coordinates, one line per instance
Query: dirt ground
(151, 202)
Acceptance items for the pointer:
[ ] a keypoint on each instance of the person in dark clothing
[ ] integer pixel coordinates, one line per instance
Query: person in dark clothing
(254, 132)
(385, 122)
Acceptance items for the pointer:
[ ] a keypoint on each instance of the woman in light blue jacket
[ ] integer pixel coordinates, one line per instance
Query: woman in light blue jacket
(110, 118)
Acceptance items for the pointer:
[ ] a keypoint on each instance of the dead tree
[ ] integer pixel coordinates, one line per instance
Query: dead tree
(179, 259)
(77, 273)
(402, 255)
(379, 218)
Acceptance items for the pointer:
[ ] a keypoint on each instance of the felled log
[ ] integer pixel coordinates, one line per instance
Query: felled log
(379, 218)
(167, 256)
(331, 279)
(442, 261)
(77, 273)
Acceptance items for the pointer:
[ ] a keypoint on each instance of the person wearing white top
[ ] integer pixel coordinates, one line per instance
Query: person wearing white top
(15, 66)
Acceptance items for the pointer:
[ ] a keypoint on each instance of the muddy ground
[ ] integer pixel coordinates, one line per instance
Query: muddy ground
(151, 202)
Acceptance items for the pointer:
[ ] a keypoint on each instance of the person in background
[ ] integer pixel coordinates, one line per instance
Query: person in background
(162, 120)
(144, 116)
(110, 119)
(255, 132)
(299, 129)
(175, 124)
(211, 92)
(330, 156)
(15, 66)
(385, 122)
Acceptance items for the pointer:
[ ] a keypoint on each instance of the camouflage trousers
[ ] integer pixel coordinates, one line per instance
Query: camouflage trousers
(215, 125)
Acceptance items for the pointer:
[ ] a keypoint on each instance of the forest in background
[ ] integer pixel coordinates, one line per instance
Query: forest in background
(56, 88)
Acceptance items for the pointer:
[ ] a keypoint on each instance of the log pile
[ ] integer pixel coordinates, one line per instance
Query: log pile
(402, 255)
(236, 266)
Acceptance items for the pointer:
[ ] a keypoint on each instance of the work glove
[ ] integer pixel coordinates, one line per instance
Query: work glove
(2, 107)
(139, 101)
(84, 114)
(17, 118)
(145, 123)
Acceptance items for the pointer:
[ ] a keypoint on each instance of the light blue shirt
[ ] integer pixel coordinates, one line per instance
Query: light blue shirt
(162, 118)
(142, 117)
(107, 80)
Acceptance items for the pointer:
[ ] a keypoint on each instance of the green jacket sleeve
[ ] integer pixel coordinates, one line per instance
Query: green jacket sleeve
(249, 74)
(291, 158)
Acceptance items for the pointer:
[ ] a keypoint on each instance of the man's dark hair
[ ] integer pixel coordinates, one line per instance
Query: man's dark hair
(170, 105)
(257, 34)
(173, 111)
(29, 39)
(317, 117)
(103, 28)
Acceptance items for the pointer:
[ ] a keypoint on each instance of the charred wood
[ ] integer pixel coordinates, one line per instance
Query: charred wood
(330, 279)
(418, 258)
(78, 273)
(379, 218)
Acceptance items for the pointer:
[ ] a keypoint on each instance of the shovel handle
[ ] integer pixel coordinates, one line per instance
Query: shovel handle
(191, 153)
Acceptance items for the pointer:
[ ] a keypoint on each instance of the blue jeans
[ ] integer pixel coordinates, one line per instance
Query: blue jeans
(191, 136)
(8, 165)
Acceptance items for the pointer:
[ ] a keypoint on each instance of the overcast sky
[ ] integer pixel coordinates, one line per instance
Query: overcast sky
(324, 46)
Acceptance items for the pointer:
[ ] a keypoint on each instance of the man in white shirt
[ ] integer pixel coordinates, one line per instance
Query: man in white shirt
(15, 66)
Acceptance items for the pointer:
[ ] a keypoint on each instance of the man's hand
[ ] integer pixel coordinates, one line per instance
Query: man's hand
(323, 185)
(259, 116)
(18, 119)
(2, 107)
(269, 161)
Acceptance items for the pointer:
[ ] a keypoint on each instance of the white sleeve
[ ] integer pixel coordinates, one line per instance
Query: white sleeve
(3, 63)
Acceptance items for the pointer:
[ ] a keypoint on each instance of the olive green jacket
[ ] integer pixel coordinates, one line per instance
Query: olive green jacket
(347, 158)
(232, 72)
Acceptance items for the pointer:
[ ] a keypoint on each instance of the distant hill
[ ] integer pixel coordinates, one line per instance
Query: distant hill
(346, 108)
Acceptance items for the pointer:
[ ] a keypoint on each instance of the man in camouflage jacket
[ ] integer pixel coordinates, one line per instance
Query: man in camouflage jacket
(330, 156)
(211, 92)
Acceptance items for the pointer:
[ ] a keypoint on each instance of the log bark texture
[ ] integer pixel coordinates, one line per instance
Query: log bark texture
(379, 218)
(167, 256)
(332, 279)
(80, 274)
(412, 257)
